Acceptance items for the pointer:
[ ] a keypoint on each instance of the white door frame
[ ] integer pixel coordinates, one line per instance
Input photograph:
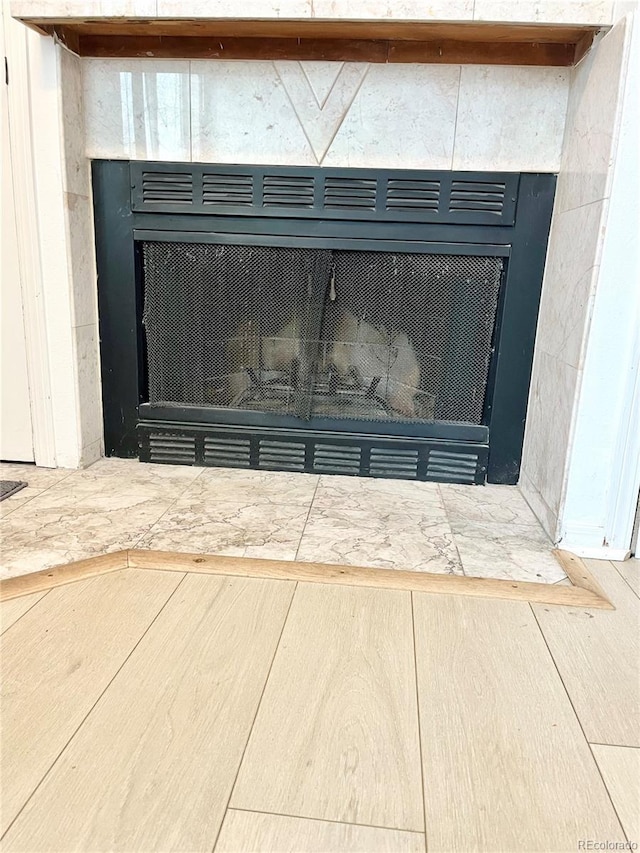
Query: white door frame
(20, 96)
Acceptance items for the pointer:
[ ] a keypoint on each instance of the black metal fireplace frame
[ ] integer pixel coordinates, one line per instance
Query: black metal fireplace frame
(127, 211)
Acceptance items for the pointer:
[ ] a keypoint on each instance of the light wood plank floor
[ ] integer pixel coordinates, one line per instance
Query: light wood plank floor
(152, 711)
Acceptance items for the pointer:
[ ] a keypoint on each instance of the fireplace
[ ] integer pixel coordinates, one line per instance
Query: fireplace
(366, 322)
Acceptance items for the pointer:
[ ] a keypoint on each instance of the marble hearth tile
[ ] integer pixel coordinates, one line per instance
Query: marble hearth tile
(569, 279)
(413, 10)
(37, 477)
(95, 524)
(201, 525)
(129, 477)
(137, 108)
(9, 505)
(222, 485)
(387, 539)
(403, 116)
(83, 8)
(591, 123)
(234, 9)
(87, 360)
(506, 551)
(595, 12)
(374, 495)
(551, 400)
(490, 504)
(79, 213)
(75, 177)
(241, 113)
(510, 118)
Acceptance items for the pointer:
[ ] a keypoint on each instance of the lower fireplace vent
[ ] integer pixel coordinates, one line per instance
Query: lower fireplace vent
(171, 448)
(307, 451)
(394, 463)
(227, 452)
(282, 455)
(447, 466)
(337, 459)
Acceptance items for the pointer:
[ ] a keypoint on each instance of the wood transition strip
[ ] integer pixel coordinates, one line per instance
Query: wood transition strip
(585, 591)
(60, 575)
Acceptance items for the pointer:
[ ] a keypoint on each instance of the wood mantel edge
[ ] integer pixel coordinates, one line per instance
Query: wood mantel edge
(584, 592)
(465, 42)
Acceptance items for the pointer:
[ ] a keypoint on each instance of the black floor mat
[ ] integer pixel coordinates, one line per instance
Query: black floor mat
(10, 487)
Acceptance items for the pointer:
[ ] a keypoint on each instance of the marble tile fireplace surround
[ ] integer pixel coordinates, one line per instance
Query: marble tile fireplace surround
(577, 122)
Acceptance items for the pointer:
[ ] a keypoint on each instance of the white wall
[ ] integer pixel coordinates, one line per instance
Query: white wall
(338, 114)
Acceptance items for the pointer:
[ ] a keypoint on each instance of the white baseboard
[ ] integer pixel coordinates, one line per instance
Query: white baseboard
(589, 540)
(601, 553)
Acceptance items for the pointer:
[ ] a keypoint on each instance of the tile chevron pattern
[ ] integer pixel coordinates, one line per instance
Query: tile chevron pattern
(320, 102)
(322, 77)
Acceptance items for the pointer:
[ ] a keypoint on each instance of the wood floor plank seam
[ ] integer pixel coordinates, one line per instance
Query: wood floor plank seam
(255, 716)
(248, 832)
(577, 716)
(24, 613)
(614, 745)
(151, 717)
(86, 716)
(620, 769)
(325, 820)
(338, 706)
(493, 710)
(609, 794)
(415, 672)
(586, 646)
(625, 579)
(584, 592)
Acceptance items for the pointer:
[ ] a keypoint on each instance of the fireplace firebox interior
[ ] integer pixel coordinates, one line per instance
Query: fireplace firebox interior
(335, 321)
(378, 336)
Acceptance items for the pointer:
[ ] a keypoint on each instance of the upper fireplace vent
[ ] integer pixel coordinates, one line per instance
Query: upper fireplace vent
(167, 188)
(463, 198)
(227, 189)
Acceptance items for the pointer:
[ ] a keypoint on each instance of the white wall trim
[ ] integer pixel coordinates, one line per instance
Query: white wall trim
(27, 226)
(625, 474)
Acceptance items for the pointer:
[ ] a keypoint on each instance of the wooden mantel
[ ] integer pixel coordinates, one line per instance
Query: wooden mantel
(338, 40)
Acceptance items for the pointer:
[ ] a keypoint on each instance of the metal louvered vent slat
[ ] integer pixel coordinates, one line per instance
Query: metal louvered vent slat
(477, 196)
(394, 463)
(336, 459)
(163, 447)
(224, 190)
(167, 187)
(348, 193)
(282, 455)
(445, 466)
(288, 191)
(412, 195)
(227, 452)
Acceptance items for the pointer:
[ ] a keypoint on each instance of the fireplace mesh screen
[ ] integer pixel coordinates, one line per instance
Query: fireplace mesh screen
(307, 332)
